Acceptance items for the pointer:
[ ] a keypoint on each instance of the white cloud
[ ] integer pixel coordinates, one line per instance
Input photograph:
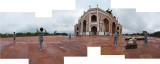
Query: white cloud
(64, 21)
(134, 22)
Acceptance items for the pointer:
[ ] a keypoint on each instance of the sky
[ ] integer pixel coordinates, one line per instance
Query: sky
(136, 22)
(64, 20)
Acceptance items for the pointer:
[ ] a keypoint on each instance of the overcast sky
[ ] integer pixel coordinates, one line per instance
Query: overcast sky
(64, 20)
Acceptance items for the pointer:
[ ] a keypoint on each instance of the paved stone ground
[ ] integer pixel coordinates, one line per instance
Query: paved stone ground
(152, 50)
(56, 47)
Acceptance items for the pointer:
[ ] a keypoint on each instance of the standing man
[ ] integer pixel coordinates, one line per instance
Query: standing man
(70, 37)
(14, 37)
(145, 38)
(115, 39)
(41, 33)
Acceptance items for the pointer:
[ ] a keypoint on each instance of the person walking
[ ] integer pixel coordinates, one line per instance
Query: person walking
(70, 37)
(145, 38)
(14, 37)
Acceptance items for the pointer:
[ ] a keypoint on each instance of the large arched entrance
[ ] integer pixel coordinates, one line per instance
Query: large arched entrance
(121, 31)
(93, 18)
(106, 25)
(113, 28)
(118, 30)
(94, 30)
(84, 26)
(77, 33)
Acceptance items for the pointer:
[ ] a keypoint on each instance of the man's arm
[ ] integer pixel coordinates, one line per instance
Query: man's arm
(37, 29)
(45, 31)
(117, 35)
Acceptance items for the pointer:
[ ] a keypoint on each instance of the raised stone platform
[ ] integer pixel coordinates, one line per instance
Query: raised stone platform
(131, 44)
(137, 38)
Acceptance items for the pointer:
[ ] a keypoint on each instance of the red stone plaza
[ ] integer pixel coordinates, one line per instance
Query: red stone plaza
(56, 47)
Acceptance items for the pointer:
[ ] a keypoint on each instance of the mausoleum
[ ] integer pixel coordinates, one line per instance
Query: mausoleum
(96, 21)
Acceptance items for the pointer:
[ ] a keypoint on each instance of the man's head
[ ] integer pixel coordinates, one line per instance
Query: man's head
(117, 31)
(14, 32)
(145, 32)
(41, 29)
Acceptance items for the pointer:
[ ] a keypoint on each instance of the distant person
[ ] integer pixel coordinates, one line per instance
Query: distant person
(145, 38)
(6, 34)
(41, 33)
(14, 37)
(70, 37)
(116, 36)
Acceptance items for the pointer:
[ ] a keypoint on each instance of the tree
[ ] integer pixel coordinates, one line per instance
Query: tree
(55, 32)
(126, 34)
(157, 34)
(29, 33)
(20, 33)
(36, 33)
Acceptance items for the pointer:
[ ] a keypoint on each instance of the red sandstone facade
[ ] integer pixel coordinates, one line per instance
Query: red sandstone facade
(97, 22)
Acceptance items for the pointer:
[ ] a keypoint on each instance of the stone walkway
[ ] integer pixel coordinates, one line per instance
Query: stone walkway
(56, 47)
(152, 50)
(53, 52)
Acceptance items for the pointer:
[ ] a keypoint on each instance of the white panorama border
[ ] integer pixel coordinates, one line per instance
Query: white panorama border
(14, 61)
(42, 8)
(94, 57)
(152, 7)
(140, 5)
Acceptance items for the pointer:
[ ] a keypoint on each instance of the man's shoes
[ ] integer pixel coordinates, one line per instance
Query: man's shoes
(116, 45)
(113, 45)
(145, 44)
(41, 50)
